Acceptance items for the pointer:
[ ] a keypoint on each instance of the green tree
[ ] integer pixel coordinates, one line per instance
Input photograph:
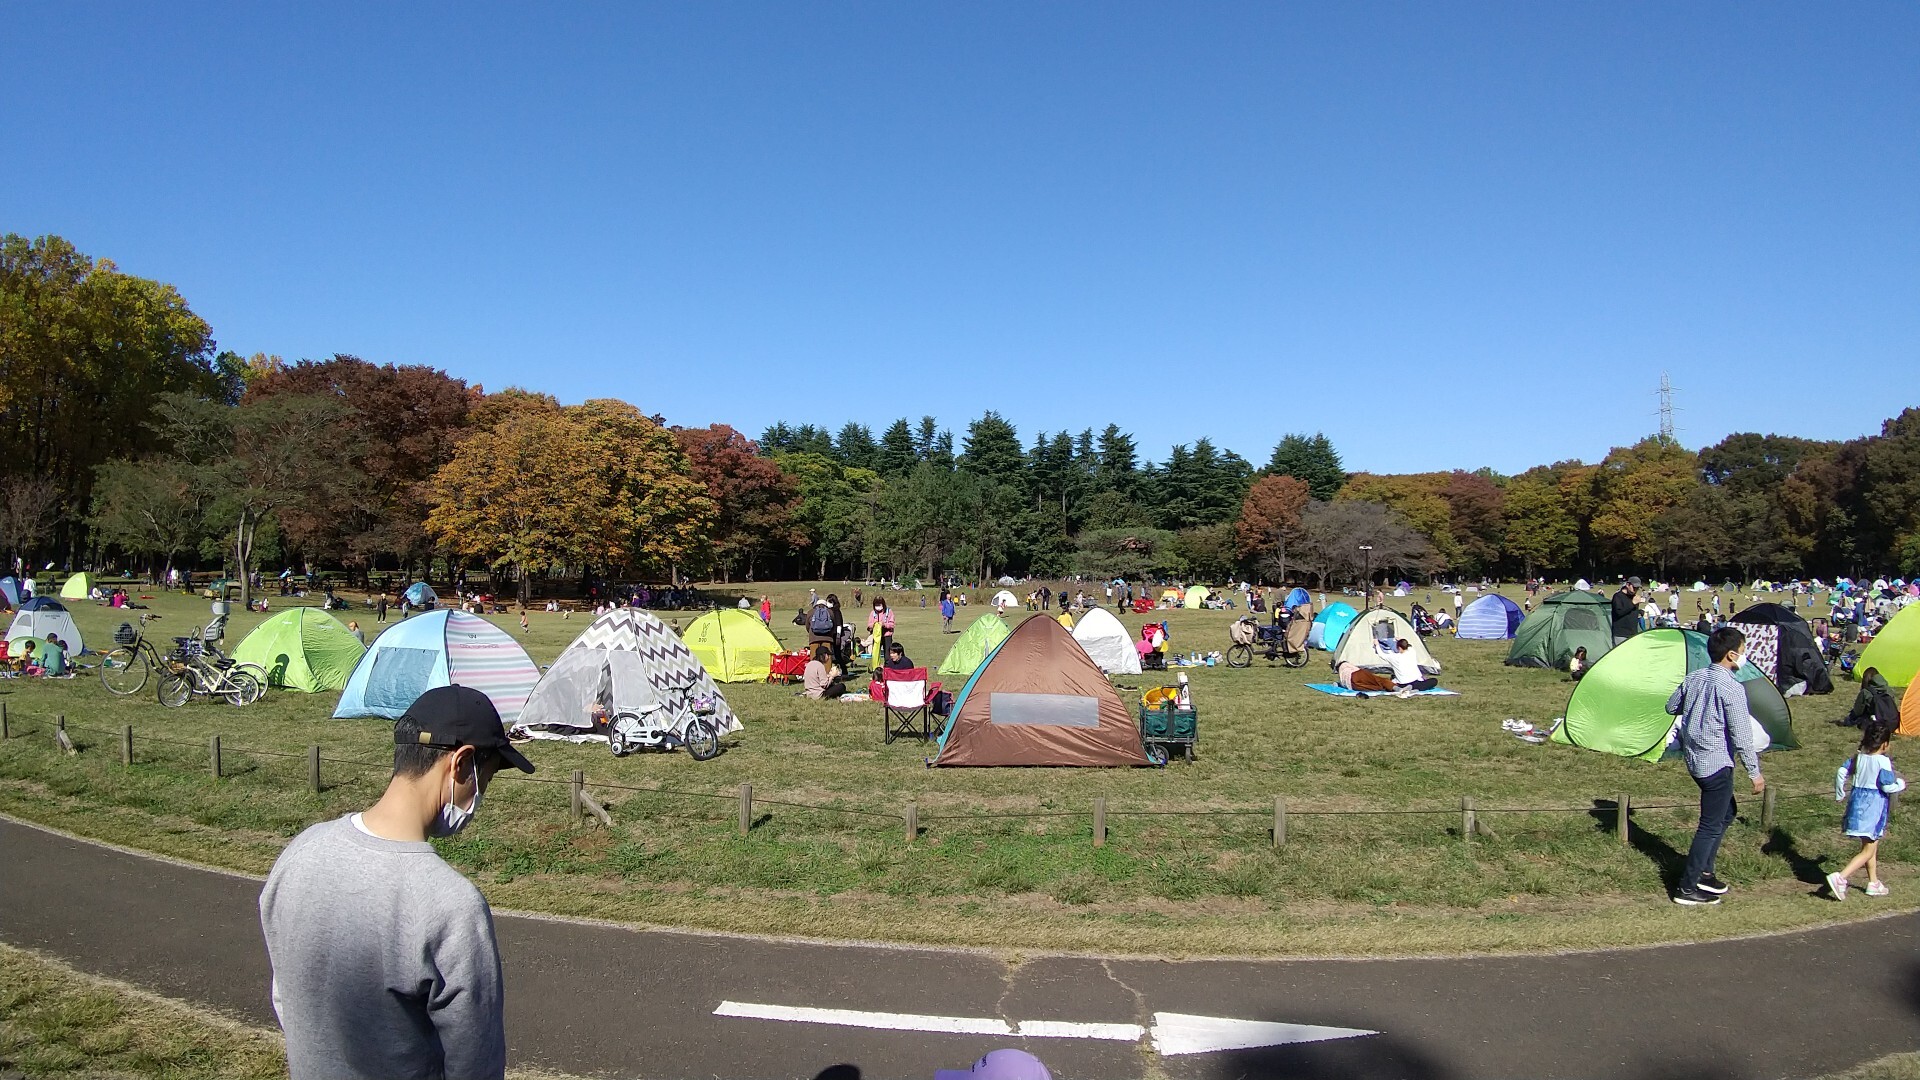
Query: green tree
(896, 453)
(835, 512)
(854, 446)
(1634, 486)
(1310, 459)
(992, 451)
(1540, 530)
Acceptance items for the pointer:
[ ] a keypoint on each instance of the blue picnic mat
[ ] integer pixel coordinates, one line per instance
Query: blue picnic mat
(1340, 691)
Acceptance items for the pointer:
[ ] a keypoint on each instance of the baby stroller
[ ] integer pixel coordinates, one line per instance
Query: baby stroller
(1423, 623)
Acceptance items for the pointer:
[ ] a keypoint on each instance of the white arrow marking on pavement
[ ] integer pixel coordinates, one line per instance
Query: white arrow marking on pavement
(1173, 1034)
(1181, 1033)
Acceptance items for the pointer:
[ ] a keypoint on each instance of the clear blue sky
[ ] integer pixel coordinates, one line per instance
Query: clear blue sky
(1221, 220)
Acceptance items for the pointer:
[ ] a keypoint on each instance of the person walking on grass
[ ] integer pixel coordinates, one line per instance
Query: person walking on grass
(1864, 784)
(383, 957)
(1715, 727)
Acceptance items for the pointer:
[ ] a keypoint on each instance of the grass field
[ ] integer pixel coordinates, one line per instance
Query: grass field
(1189, 868)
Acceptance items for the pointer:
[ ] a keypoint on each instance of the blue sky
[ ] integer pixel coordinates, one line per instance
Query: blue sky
(1412, 226)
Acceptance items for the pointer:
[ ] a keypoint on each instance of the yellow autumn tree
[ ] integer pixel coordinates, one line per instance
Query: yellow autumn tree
(594, 485)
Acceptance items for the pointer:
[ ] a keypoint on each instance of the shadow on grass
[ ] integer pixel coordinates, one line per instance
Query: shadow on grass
(1670, 862)
(1808, 870)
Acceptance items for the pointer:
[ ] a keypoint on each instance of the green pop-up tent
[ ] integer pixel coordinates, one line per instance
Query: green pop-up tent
(1895, 650)
(77, 587)
(302, 649)
(1620, 707)
(1563, 622)
(986, 633)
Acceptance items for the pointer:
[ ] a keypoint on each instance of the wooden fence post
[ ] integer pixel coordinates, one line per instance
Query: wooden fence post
(313, 768)
(1622, 816)
(213, 755)
(4, 733)
(575, 805)
(746, 809)
(1769, 806)
(1279, 821)
(1100, 822)
(1469, 821)
(126, 744)
(913, 822)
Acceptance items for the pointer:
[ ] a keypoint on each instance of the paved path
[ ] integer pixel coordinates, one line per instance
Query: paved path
(601, 1000)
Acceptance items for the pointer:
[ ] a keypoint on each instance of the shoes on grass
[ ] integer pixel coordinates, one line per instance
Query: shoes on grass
(1876, 888)
(1837, 885)
(1711, 884)
(1691, 897)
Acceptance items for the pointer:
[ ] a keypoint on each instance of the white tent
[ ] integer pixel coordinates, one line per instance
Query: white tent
(1369, 631)
(1582, 586)
(1107, 642)
(624, 659)
(42, 616)
(1005, 598)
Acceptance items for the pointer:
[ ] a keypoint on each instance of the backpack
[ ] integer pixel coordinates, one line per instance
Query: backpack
(821, 621)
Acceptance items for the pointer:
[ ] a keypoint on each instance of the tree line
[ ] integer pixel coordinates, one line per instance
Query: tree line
(129, 437)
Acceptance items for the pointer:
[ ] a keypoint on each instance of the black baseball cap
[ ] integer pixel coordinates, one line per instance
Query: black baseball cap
(454, 716)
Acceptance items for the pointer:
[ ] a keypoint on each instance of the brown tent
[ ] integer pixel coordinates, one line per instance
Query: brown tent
(1040, 700)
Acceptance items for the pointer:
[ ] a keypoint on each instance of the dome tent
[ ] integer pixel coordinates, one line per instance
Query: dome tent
(44, 615)
(1620, 707)
(1107, 642)
(1039, 699)
(439, 648)
(77, 587)
(733, 645)
(1196, 597)
(1780, 644)
(629, 656)
(1895, 650)
(1491, 618)
(420, 595)
(1360, 644)
(1562, 623)
(302, 649)
(1330, 626)
(967, 654)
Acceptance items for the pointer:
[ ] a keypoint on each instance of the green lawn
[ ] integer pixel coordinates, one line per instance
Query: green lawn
(1189, 867)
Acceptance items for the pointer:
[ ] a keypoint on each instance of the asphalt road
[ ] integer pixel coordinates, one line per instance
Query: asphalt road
(608, 1001)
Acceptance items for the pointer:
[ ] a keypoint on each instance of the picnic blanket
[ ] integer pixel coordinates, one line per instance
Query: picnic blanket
(1340, 691)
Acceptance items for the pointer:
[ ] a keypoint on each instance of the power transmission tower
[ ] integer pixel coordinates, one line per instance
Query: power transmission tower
(1666, 407)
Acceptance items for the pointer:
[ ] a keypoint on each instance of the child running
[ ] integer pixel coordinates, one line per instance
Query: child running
(1870, 776)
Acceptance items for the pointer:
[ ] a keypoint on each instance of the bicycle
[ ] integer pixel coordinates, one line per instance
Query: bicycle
(125, 668)
(195, 667)
(1247, 632)
(685, 720)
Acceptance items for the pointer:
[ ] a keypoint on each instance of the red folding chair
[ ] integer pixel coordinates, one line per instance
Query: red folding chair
(906, 701)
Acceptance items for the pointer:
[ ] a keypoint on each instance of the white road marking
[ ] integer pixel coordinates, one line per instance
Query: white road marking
(1172, 1034)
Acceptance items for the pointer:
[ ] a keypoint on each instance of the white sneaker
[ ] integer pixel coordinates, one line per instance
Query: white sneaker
(1876, 888)
(1837, 885)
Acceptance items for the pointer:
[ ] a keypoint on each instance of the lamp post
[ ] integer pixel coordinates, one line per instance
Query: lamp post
(1366, 553)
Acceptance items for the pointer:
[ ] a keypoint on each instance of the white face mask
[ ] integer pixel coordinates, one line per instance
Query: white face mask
(452, 817)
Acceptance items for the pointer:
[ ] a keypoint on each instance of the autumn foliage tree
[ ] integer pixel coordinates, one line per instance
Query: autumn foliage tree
(754, 499)
(598, 484)
(1269, 518)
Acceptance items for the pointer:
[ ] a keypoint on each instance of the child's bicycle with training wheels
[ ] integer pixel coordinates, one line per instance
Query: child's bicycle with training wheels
(679, 718)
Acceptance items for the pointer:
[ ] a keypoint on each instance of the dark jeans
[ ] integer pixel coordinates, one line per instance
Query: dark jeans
(1423, 684)
(1716, 813)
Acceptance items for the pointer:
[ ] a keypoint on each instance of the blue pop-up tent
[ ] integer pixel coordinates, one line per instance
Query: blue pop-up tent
(1330, 626)
(1491, 618)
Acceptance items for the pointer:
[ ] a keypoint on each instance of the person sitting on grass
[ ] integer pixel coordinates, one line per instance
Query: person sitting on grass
(821, 679)
(1578, 663)
(53, 658)
(897, 659)
(1407, 676)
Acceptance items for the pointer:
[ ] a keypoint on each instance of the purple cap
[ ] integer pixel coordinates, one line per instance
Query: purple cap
(1000, 1065)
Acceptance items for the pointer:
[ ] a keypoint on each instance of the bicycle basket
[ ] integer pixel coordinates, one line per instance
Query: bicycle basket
(124, 635)
(703, 705)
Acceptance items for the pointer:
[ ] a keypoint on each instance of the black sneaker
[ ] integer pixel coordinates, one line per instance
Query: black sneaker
(1694, 898)
(1711, 884)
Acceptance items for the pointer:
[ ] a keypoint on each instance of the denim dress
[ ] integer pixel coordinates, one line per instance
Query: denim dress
(1864, 783)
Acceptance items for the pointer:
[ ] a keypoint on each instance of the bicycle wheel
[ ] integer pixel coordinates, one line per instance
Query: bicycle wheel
(259, 676)
(1297, 659)
(242, 688)
(702, 739)
(175, 687)
(124, 671)
(1240, 656)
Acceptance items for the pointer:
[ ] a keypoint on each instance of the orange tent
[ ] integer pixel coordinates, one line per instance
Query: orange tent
(1910, 709)
(1039, 699)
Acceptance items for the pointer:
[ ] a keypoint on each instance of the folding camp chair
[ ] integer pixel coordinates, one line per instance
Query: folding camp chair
(906, 699)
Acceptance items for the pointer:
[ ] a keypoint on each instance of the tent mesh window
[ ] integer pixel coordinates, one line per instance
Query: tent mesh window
(1581, 619)
(1043, 710)
(399, 677)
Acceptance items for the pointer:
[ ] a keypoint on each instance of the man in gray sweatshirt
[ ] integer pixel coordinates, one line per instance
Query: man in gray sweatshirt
(1715, 726)
(384, 961)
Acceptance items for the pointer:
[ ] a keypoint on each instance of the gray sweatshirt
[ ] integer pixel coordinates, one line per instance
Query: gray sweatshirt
(1714, 722)
(384, 961)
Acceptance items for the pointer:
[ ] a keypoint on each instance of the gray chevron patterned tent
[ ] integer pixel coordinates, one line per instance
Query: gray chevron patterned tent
(625, 657)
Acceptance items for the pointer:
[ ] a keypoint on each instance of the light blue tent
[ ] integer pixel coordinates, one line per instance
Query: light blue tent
(1330, 626)
(1296, 598)
(420, 595)
(440, 648)
(1491, 618)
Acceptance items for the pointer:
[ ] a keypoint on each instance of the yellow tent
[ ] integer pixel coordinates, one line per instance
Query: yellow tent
(77, 587)
(1196, 596)
(733, 645)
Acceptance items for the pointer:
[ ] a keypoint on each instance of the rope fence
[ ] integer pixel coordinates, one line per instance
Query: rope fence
(583, 802)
